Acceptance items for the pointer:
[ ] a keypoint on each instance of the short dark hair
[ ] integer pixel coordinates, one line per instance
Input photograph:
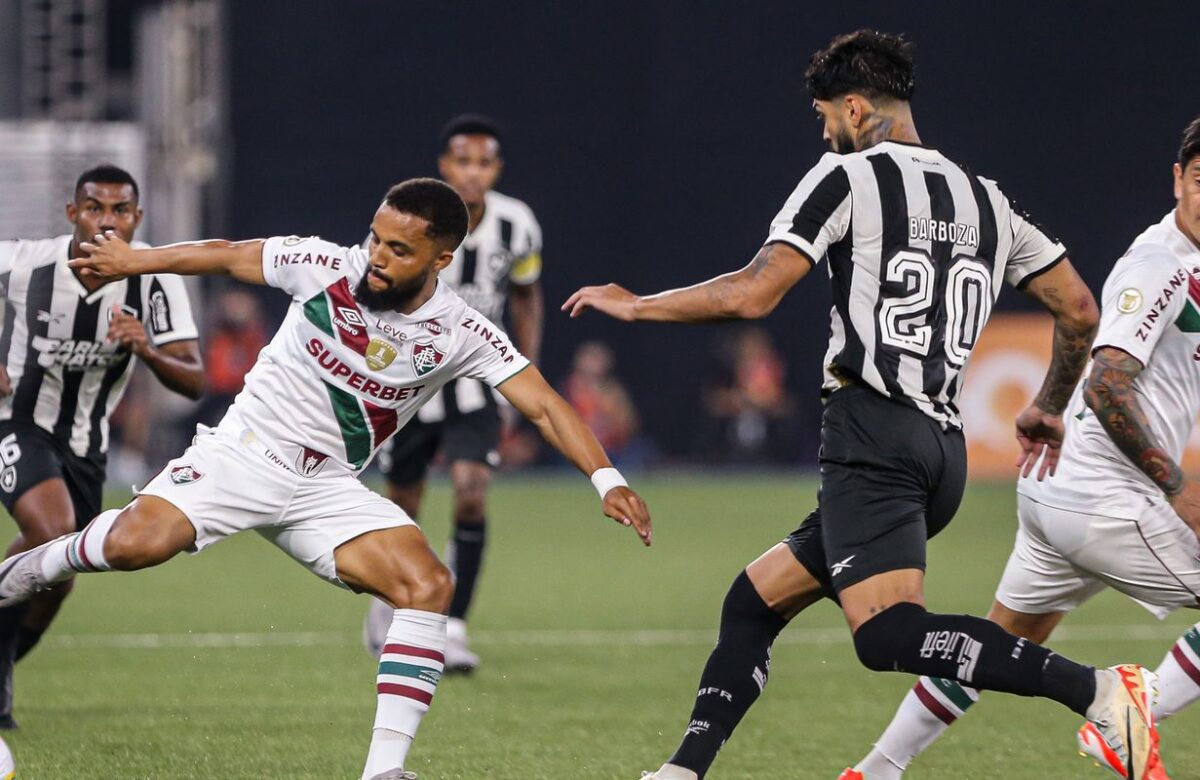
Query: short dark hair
(468, 124)
(869, 62)
(434, 201)
(106, 173)
(1189, 148)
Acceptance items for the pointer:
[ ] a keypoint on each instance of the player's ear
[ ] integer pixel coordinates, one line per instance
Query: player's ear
(73, 210)
(855, 109)
(443, 260)
(443, 164)
(137, 217)
(1178, 171)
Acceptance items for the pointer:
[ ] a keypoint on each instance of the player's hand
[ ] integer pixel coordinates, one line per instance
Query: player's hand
(109, 258)
(628, 508)
(1186, 504)
(611, 299)
(129, 332)
(5, 382)
(1040, 435)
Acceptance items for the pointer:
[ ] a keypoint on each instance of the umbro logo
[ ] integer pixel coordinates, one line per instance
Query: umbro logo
(841, 566)
(351, 316)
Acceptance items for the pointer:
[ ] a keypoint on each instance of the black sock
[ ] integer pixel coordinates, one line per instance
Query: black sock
(466, 559)
(973, 651)
(27, 639)
(734, 676)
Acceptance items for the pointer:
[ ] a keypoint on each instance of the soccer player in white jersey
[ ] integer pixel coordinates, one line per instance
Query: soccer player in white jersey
(917, 250)
(498, 264)
(68, 345)
(1119, 512)
(370, 336)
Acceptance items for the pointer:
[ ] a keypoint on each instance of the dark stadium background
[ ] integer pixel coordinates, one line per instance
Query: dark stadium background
(656, 140)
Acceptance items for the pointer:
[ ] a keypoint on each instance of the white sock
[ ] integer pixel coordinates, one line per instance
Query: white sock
(926, 712)
(409, 669)
(672, 772)
(80, 552)
(1179, 675)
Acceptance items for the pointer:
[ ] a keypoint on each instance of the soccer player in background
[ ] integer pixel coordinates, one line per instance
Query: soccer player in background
(67, 349)
(917, 249)
(352, 362)
(499, 261)
(1120, 511)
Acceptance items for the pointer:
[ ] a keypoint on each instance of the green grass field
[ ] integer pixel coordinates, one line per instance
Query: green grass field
(239, 664)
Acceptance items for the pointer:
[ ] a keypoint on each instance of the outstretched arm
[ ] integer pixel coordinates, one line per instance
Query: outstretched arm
(750, 293)
(529, 392)
(1040, 427)
(110, 258)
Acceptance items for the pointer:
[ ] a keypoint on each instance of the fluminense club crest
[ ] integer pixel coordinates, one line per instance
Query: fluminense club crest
(310, 461)
(181, 475)
(380, 354)
(425, 358)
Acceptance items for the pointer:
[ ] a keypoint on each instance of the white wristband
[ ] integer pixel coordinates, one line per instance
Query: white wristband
(606, 479)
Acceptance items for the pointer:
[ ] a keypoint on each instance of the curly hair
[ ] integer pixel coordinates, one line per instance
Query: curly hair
(871, 63)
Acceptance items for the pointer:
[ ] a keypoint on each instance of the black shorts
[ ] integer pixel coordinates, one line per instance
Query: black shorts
(472, 436)
(891, 478)
(42, 457)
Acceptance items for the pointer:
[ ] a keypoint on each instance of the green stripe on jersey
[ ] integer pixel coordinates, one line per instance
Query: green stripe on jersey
(1192, 637)
(316, 311)
(356, 433)
(422, 673)
(1189, 319)
(954, 692)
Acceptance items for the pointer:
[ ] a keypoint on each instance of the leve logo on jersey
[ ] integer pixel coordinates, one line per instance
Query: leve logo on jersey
(380, 354)
(425, 358)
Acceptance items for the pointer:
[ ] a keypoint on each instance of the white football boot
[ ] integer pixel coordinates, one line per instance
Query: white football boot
(21, 576)
(668, 772)
(1124, 720)
(458, 657)
(396, 774)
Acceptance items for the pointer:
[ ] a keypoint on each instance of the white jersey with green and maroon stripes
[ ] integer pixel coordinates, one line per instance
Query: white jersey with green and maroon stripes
(338, 378)
(1151, 309)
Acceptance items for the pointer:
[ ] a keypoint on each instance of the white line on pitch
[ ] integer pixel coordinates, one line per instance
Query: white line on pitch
(552, 637)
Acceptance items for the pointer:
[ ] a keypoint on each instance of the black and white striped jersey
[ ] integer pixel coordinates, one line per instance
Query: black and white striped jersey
(66, 378)
(504, 248)
(917, 248)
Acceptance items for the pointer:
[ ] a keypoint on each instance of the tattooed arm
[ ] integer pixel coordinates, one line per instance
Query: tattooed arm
(1040, 427)
(750, 293)
(1111, 396)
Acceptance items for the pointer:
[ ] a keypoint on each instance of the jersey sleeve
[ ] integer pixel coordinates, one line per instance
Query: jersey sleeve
(1034, 251)
(168, 310)
(488, 353)
(817, 213)
(527, 257)
(303, 266)
(1142, 296)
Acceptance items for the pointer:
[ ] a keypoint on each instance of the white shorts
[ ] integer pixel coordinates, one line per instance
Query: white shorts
(227, 482)
(1062, 558)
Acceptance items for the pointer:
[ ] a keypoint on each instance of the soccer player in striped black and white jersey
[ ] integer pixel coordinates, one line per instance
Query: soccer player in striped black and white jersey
(1120, 512)
(917, 249)
(498, 267)
(67, 349)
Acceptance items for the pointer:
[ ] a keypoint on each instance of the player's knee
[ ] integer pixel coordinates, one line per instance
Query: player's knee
(431, 590)
(881, 641)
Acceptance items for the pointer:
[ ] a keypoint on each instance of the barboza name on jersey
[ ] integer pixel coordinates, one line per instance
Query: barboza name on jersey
(339, 370)
(492, 338)
(957, 233)
(76, 355)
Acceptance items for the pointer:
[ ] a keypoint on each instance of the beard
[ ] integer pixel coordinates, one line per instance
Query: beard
(842, 143)
(392, 299)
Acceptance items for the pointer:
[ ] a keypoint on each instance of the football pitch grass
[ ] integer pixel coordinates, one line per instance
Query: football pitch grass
(239, 664)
